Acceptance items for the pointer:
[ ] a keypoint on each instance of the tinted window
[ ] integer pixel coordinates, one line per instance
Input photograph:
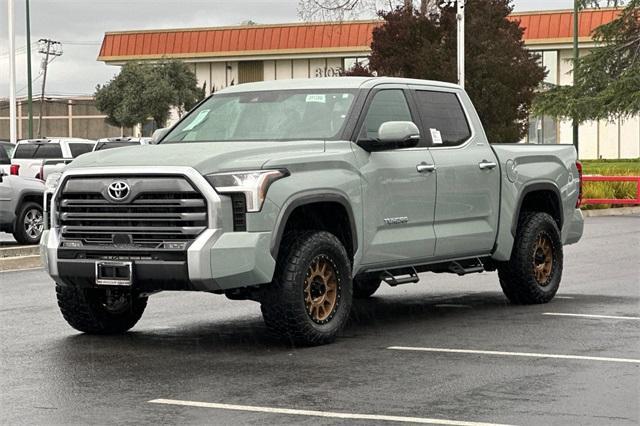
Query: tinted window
(442, 112)
(4, 157)
(38, 151)
(8, 148)
(387, 105)
(80, 148)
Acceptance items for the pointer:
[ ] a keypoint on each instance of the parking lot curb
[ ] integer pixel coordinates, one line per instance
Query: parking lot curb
(620, 211)
(15, 251)
(19, 262)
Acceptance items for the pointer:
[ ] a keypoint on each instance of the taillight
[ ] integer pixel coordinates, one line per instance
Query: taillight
(14, 169)
(579, 167)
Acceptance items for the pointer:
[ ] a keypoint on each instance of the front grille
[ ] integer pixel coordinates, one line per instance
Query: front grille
(158, 211)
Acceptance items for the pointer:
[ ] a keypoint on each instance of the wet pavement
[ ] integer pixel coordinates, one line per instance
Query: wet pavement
(192, 347)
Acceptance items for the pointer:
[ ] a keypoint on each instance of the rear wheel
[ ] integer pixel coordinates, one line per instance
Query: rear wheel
(310, 297)
(29, 224)
(98, 311)
(365, 286)
(533, 273)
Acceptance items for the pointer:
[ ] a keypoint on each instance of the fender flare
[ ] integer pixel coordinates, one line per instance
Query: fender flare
(536, 186)
(309, 198)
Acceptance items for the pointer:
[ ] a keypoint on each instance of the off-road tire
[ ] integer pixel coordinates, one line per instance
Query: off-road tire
(20, 233)
(84, 310)
(518, 275)
(364, 286)
(283, 303)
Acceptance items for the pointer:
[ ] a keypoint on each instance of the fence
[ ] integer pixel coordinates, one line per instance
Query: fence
(636, 179)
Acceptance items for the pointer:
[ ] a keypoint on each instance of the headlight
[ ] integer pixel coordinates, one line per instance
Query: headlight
(254, 184)
(52, 181)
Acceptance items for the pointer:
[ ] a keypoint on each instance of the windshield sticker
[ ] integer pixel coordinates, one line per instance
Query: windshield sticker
(436, 137)
(199, 119)
(317, 98)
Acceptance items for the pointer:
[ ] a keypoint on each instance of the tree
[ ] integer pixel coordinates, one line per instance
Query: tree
(607, 82)
(323, 10)
(501, 75)
(143, 90)
(358, 70)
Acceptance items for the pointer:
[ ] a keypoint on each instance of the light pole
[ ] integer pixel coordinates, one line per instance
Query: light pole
(29, 85)
(576, 17)
(460, 40)
(459, 36)
(12, 72)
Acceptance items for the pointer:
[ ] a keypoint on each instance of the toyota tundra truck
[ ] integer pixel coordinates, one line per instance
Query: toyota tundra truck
(304, 194)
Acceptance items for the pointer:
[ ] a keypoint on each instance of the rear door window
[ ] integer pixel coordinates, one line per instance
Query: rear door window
(80, 148)
(443, 118)
(4, 157)
(38, 151)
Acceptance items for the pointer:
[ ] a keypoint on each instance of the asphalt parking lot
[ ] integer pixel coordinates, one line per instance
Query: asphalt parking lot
(467, 355)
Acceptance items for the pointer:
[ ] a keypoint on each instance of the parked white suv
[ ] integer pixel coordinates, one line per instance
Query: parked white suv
(30, 154)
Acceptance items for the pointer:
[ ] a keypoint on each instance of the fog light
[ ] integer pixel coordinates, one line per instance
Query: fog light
(72, 243)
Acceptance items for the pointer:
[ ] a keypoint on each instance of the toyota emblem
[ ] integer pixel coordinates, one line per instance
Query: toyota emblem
(118, 190)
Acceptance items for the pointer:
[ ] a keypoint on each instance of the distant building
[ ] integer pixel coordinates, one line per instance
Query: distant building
(61, 117)
(222, 56)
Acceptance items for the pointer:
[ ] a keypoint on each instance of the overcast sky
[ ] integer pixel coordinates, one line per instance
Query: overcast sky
(81, 24)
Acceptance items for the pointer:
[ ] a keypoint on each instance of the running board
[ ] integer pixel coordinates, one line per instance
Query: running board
(466, 267)
(404, 276)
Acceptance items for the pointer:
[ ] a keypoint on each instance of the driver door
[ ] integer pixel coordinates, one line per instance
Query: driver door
(398, 199)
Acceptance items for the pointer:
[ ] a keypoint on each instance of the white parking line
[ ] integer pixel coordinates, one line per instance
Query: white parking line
(563, 314)
(565, 297)
(313, 413)
(451, 305)
(22, 270)
(523, 354)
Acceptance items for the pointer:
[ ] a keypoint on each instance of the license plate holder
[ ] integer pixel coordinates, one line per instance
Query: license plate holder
(114, 273)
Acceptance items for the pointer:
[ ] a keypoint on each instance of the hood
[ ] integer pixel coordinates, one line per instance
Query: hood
(205, 157)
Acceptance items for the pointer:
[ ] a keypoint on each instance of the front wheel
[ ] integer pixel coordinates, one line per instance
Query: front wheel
(100, 311)
(533, 273)
(309, 300)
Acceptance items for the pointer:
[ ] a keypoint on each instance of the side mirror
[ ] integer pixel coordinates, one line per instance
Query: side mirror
(394, 134)
(158, 134)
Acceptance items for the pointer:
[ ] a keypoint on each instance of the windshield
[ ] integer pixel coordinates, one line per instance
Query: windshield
(266, 116)
(108, 145)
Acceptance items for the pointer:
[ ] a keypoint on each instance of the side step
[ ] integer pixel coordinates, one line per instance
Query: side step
(468, 266)
(402, 276)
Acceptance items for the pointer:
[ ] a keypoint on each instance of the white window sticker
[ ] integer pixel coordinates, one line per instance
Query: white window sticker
(317, 98)
(436, 137)
(199, 119)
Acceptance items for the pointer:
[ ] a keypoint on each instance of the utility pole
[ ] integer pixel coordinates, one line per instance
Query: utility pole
(460, 28)
(49, 48)
(29, 85)
(576, 17)
(12, 72)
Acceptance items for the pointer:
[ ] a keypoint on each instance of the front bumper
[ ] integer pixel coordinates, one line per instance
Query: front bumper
(217, 260)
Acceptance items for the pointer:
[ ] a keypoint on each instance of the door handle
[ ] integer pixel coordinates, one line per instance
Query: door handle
(488, 165)
(424, 167)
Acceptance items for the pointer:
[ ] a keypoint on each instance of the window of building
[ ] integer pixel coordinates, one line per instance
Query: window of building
(441, 112)
(544, 130)
(387, 105)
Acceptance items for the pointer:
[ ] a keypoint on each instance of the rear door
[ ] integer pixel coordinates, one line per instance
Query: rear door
(468, 187)
(5, 188)
(398, 200)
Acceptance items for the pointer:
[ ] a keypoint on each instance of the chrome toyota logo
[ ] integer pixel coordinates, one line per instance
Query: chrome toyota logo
(118, 190)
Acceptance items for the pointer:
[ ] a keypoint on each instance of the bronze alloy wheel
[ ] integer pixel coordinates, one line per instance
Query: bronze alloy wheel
(321, 290)
(543, 259)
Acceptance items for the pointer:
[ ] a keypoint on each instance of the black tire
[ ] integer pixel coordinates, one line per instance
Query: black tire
(29, 224)
(528, 277)
(86, 311)
(364, 286)
(287, 304)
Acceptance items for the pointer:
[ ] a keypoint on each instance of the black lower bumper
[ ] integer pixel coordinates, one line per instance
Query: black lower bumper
(147, 275)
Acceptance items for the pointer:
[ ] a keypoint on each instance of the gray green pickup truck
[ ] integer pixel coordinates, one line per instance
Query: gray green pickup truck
(303, 194)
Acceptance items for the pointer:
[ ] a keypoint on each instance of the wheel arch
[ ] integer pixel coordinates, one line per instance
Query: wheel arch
(325, 198)
(547, 195)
